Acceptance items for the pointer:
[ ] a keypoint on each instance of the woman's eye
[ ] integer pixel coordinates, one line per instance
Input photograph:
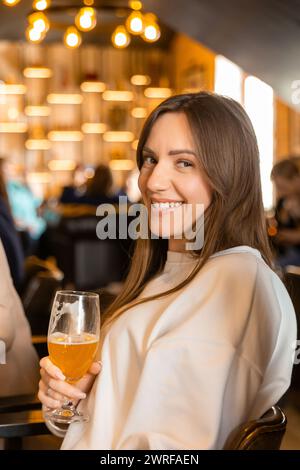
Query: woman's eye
(184, 163)
(148, 160)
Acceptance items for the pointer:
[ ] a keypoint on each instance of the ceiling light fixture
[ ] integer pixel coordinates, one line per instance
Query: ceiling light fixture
(85, 20)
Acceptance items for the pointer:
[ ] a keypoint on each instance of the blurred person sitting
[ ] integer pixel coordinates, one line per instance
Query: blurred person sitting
(286, 177)
(10, 237)
(99, 188)
(24, 205)
(19, 366)
(72, 192)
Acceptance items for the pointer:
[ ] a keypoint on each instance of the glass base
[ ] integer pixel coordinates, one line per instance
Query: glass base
(67, 414)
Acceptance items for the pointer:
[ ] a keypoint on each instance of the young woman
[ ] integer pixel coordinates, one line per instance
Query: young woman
(199, 340)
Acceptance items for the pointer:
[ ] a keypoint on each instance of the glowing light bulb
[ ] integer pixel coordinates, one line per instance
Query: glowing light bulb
(151, 31)
(135, 23)
(120, 37)
(39, 22)
(86, 19)
(10, 3)
(34, 35)
(72, 37)
(135, 4)
(41, 4)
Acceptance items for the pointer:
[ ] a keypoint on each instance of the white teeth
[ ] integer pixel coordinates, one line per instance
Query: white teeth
(166, 205)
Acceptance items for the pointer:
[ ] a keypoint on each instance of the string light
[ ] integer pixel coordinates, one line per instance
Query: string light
(86, 19)
(117, 95)
(12, 89)
(64, 98)
(93, 87)
(72, 37)
(10, 3)
(157, 92)
(151, 31)
(61, 165)
(38, 144)
(33, 35)
(139, 112)
(135, 23)
(140, 80)
(93, 127)
(118, 136)
(65, 136)
(37, 72)
(41, 5)
(40, 111)
(39, 23)
(120, 37)
(135, 4)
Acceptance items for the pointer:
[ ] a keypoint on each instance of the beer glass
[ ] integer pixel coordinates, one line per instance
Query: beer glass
(73, 339)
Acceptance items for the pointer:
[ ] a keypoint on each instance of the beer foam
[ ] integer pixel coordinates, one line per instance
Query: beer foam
(65, 339)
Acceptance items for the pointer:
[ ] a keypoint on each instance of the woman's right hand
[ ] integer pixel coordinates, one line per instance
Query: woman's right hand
(54, 390)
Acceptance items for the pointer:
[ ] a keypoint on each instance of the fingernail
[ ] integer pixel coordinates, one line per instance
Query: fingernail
(82, 395)
(100, 363)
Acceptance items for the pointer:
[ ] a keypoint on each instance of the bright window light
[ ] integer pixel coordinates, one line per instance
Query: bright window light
(228, 78)
(259, 105)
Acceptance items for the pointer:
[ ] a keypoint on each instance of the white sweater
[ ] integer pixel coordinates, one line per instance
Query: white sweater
(20, 373)
(182, 371)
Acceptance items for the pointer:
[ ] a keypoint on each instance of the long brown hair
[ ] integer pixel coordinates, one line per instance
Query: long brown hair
(228, 153)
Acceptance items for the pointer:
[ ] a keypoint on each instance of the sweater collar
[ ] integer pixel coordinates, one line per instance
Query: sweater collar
(179, 257)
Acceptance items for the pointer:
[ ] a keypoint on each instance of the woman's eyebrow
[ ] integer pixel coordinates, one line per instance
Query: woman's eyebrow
(172, 152)
(178, 152)
(148, 150)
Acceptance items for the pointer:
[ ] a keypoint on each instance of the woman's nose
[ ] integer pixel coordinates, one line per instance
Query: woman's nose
(159, 178)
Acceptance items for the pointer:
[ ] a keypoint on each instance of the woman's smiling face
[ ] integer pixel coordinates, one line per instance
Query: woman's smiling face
(171, 177)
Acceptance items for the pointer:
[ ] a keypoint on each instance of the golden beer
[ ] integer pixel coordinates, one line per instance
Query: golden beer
(73, 354)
